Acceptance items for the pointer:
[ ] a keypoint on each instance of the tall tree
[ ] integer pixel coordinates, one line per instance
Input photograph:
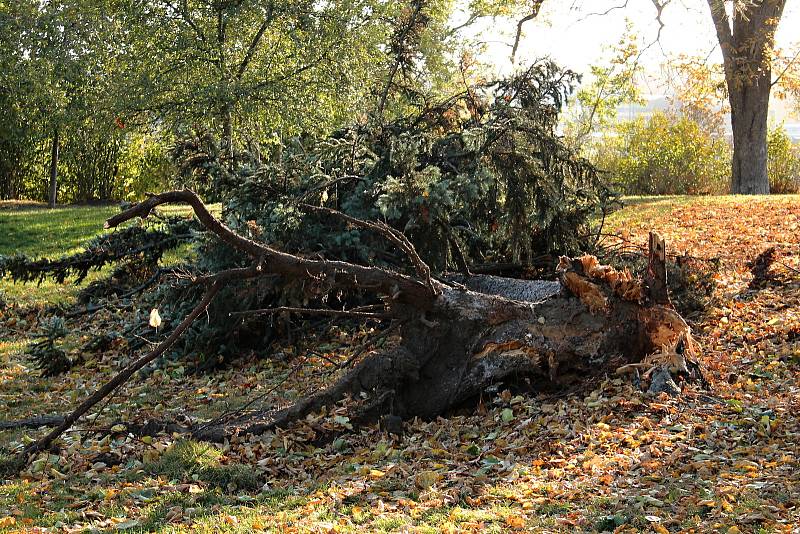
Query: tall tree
(57, 55)
(237, 67)
(746, 35)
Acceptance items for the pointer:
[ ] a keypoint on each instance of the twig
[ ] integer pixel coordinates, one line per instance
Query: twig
(788, 267)
(33, 422)
(312, 311)
(225, 417)
(119, 379)
(395, 236)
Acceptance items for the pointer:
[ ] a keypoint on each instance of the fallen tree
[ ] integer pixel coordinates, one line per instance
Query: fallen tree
(478, 182)
(455, 337)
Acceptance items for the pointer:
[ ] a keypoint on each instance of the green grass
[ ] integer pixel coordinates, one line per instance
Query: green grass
(38, 232)
(200, 461)
(50, 233)
(45, 233)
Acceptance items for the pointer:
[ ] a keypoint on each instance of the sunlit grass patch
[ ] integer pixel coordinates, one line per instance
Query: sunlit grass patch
(39, 232)
(45, 233)
(191, 460)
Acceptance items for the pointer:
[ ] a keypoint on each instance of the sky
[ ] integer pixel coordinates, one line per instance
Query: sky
(574, 34)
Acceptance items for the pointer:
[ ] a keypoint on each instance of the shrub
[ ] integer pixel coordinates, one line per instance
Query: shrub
(783, 162)
(665, 154)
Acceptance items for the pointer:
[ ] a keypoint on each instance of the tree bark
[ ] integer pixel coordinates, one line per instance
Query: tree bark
(749, 116)
(227, 135)
(458, 339)
(53, 190)
(747, 41)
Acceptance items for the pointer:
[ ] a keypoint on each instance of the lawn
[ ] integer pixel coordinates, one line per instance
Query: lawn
(40, 232)
(34, 230)
(611, 457)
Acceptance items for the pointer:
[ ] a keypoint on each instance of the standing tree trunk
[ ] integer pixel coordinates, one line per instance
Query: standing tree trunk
(227, 135)
(54, 170)
(749, 107)
(747, 40)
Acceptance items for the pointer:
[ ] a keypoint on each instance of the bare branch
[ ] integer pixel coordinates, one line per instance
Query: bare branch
(315, 311)
(337, 273)
(534, 13)
(118, 379)
(788, 66)
(722, 25)
(389, 233)
(611, 9)
(251, 50)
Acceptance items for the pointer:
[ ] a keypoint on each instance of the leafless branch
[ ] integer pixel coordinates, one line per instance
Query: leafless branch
(118, 379)
(395, 236)
(532, 15)
(786, 68)
(314, 311)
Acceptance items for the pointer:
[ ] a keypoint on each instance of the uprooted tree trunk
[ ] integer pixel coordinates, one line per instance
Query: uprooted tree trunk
(455, 338)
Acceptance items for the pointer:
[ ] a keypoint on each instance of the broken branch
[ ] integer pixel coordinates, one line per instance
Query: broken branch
(119, 379)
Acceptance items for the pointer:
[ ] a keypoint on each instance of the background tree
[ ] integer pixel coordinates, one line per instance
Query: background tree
(746, 33)
(613, 84)
(747, 38)
(59, 55)
(262, 68)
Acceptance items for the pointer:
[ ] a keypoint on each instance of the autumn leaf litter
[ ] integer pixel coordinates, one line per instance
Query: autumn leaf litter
(606, 458)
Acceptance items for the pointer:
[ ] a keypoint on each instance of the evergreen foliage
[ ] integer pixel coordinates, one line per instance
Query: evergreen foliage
(142, 245)
(46, 353)
(481, 177)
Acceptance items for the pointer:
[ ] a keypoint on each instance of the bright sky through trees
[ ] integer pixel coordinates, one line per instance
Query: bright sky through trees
(574, 33)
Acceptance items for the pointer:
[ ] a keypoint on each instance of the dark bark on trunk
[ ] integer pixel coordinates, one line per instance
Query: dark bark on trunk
(749, 115)
(227, 135)
(53, 190)
(747, 42)
(476, 337)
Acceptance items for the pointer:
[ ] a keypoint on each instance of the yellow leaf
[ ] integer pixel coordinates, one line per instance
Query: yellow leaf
(7, 521)
(376, 474)
(660, 529)
(155, 318)
(515, 521)
(727, 507)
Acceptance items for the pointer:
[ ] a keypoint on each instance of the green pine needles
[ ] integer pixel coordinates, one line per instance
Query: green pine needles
(480, 178)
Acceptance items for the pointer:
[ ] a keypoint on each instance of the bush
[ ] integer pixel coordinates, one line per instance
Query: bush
(46, 353)
(783, 162)
(665, 154)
